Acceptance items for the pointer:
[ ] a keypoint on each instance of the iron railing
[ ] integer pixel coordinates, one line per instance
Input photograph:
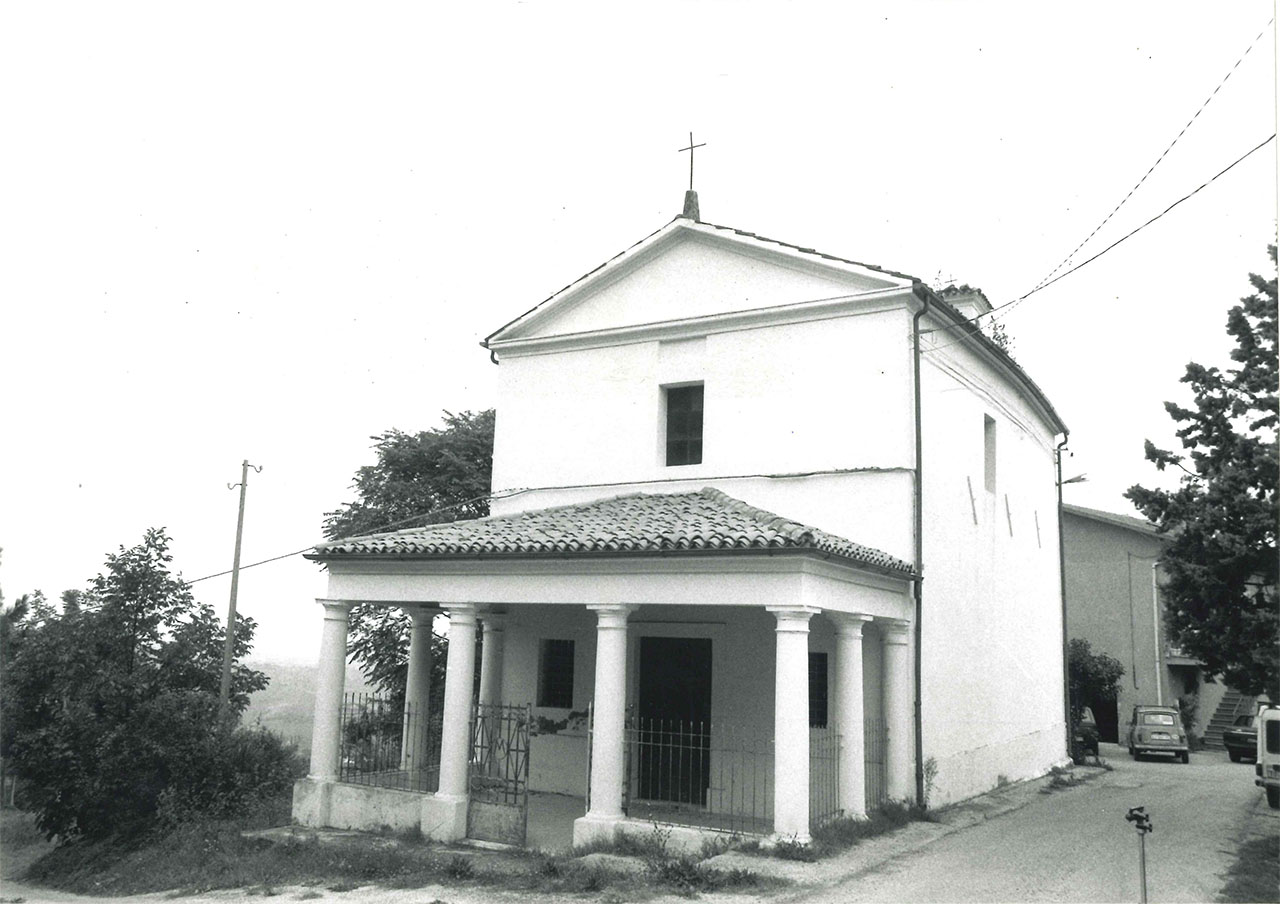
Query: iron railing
(389, 744)
(824, 775)
(875, 755)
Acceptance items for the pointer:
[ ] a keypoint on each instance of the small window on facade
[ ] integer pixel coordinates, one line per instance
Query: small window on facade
(817, 690)
(684, 425)
(989, 453)
(555, 674)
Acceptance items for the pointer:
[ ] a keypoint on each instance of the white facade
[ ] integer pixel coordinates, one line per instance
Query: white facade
(807, 367)
(820, 384)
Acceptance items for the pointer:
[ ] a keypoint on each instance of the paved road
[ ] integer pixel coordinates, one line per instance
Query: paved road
(1074, 845)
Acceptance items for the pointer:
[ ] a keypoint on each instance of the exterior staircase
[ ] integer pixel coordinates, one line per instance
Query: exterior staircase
(1233, 704)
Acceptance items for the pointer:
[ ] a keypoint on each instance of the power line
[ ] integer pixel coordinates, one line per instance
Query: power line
(1022, 298)
(1159, 159)
(383, 527)
(507, 494)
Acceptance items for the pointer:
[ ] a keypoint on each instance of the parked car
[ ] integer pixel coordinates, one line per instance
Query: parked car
(1157, 729)
(1268, 754)
(1086, 733)
(1241, 739)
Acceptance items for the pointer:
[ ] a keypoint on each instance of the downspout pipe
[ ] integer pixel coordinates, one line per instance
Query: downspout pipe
(1062, 578)
(923, 293)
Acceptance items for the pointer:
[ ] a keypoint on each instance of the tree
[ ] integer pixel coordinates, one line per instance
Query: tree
(1220, 563)
(1091, 677)
(114, 702)
(429, 477)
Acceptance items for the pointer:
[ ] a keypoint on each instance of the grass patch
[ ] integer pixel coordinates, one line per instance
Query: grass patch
(202, 857)
(1252, 877)
(839, 835)
(683, 874)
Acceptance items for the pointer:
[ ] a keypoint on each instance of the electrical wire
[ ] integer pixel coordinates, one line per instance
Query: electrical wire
(508, 494)
(1022, 298)
(1159, 159)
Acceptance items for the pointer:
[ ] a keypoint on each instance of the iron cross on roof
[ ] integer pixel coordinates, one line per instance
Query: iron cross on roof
(690, 150)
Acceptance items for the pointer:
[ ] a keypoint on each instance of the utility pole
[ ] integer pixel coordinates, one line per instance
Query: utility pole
(229, 648)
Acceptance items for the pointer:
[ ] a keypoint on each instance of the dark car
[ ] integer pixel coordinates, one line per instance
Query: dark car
(1241, 739)
(1157, 729)
(1086, 733)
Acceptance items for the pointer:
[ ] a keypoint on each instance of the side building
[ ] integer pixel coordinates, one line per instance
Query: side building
(1114, 602)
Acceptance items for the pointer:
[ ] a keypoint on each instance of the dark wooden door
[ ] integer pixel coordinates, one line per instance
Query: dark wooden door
(674, 719)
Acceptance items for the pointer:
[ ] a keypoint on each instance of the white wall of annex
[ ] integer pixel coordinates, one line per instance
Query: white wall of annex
(992, 625)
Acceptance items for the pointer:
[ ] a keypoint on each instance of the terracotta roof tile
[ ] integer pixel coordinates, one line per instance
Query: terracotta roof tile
(707, 521)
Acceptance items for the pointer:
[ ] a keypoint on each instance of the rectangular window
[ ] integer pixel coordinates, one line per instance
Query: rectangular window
(555, 673)
(817, 690)
(684, 425)
(989, 453)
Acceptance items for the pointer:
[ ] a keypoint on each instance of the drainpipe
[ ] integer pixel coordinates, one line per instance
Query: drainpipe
(923, 294)
(1155, 621)
(1062, 577)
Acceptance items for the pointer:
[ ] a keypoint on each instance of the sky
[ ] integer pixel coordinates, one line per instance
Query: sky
(274, 231)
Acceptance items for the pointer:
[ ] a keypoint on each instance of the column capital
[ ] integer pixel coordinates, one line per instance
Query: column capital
(793, 618)
(336, 608)
(493, 621)
(462, 613)
(894, 630)
(848, 624)
(612, 615)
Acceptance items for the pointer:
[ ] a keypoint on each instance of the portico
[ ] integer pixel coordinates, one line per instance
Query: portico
(776, 628)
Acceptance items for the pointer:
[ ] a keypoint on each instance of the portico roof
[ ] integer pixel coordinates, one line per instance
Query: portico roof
(707, 522)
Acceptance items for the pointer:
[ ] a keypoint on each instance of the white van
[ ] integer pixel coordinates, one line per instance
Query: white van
(1268, 768)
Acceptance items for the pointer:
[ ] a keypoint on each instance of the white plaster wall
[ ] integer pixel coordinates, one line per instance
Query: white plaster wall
(693, 275)
(818, 396)
(796, 397)
(992, 626)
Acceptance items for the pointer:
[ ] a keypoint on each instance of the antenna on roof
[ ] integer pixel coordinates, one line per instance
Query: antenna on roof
(691, 196)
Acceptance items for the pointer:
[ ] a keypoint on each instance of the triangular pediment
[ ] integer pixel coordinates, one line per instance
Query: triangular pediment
(690, 270)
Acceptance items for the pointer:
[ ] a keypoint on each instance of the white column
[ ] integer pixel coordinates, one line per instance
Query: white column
(491, 658)
(849, 712)
(327, 725)
(417, 696)
(455, 733)
(791, 723)
(899, 705)
(609, 713)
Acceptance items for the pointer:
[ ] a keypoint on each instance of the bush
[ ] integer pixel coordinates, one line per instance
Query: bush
(170, 758)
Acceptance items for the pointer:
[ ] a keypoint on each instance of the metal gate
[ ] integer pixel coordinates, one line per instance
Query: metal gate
(498, 774)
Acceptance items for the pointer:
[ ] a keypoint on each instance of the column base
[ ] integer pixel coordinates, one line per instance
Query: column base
(311, 802)
(801, 838)
(588, 829)
(444, 817)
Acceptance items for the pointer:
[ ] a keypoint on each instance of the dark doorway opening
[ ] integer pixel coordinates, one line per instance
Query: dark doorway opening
(674, 719)
(1107, 714)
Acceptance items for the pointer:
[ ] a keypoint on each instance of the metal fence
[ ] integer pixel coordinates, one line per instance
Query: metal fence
(875, 756)
(824, 775)
(708, 775)
(389, 744)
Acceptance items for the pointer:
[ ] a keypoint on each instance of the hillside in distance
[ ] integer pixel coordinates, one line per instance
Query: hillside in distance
(287, 704)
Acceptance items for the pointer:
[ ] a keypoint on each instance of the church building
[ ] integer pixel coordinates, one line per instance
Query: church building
(774, 540)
